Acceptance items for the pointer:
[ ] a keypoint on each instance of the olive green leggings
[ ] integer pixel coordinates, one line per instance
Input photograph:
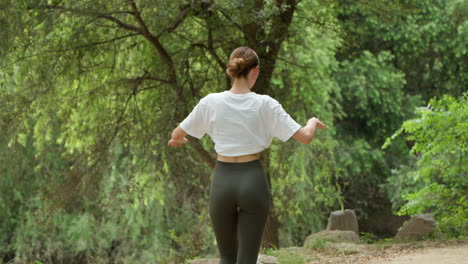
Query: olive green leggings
(239, 204)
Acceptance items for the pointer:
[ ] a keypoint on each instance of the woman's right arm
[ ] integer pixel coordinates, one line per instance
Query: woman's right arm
(194, 124)
(307, 133)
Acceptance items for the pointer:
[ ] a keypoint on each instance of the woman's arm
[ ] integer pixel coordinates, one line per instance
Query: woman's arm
(178, 137)
(307, 133)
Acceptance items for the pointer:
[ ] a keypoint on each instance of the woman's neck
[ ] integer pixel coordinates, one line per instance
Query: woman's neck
(240, 85)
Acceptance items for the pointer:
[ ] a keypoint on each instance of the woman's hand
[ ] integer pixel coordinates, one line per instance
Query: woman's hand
(177, 142)
(307, 133)
(317, 122)
(177, 138)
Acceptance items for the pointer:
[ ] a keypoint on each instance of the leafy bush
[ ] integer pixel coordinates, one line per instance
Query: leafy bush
(438, 183)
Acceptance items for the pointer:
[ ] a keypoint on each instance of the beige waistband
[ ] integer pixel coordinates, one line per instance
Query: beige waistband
(243, 158)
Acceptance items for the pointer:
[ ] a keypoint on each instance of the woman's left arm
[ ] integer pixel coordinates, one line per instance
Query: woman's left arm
(178, 137)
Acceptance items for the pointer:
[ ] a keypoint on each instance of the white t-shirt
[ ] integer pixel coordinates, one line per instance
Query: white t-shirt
(239, 124)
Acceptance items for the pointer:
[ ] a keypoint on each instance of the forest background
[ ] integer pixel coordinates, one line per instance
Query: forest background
(91, 90)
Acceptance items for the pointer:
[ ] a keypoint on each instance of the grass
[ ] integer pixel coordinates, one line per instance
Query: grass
(2, 261)
(10, 261)
(293, 255)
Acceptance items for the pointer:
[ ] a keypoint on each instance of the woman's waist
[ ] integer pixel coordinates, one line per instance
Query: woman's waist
(240, 158)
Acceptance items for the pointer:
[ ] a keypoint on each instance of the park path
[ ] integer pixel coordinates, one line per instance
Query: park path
(446, 255)
(422, 252)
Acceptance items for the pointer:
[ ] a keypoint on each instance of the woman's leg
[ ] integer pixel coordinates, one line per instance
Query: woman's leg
(223, 214)
(239, 206)
(254, 205)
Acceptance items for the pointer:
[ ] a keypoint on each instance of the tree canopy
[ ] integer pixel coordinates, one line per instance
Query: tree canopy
(91, 90)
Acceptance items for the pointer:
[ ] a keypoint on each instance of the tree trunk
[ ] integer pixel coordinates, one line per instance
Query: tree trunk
(270, 235)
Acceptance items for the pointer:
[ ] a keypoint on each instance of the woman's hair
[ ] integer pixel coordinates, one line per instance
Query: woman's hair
(242, 60)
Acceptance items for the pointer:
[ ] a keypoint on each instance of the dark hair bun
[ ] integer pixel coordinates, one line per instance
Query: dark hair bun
(242, 60)
(235, 67)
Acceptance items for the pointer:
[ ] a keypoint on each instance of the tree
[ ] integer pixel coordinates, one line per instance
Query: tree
(396, 55)
(438, 183)
(103, 83)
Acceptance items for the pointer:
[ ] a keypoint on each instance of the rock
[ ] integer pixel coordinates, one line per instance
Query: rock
(262, 259)
(320, 239)
(344, 248)
(343, 220)
(417, 228)
(204, 261)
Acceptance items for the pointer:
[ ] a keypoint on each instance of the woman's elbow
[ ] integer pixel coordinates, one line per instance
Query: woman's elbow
(307, 139)
(178, 133)
(303, 136)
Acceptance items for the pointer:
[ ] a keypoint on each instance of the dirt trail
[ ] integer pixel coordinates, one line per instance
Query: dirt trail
(423, 252)
(452, 255)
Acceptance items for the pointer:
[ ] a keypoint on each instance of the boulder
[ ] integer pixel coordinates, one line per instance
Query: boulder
(204, 261)
(262, 259)
(344, 248)
(417, 228)
(343, 220)
(320, 239)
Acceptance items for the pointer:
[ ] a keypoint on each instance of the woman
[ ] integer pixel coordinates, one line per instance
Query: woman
(242, 124)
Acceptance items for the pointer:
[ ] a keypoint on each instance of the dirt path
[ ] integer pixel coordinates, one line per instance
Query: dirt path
(451, 255)
(424, 252)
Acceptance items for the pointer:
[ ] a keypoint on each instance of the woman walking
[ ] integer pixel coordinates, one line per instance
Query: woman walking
(241, 123)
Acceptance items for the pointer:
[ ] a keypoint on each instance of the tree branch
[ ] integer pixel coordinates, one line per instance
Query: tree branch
(149, 87)
(158, 46)
(74, 48)
(251, 29)
(210, 46)
(174, 24)
(272, 43)
(211, 51)
(205, 155)
(137, 14)
(146, 78)
(229, 18)
(281, 24)
(95, 14)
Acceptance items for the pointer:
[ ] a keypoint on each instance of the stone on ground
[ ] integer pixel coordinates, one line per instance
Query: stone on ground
(344, 248)
(262, 259)
(343, 220)
(335, 236)
(205, 261)
(417, 228)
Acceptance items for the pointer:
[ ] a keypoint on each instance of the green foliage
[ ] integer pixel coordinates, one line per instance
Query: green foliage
(127, 216)
(90, 91)
(396, 56)
(319, 243)
(438, 183)
(373, 91)
(304, 188)
(304, 177)
(363, 168)
(289, 256)
(425, 36)
(368, 238)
